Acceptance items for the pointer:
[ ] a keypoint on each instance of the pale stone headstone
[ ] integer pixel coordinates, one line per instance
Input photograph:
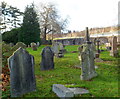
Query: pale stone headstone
(22, 77)
(47, 61)
(32, 44)
(38, 44)
(114, 50)
(61, 47)
(55, 48)
(64, 92)
(87, 59)
(28, 46)
(61, 91)
(58, 49)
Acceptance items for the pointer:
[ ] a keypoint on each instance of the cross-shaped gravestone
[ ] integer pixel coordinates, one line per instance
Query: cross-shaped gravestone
(87, 59)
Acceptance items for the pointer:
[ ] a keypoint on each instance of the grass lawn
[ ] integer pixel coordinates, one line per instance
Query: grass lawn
(104, 85)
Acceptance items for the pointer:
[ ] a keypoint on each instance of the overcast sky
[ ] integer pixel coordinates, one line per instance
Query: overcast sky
(81, 13)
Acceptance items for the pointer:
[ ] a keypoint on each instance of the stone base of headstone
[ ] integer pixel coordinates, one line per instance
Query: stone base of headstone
(89, 76)
(78, 66)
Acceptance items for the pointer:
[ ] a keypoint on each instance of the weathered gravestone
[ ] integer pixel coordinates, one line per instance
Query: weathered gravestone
(47, 61)
(64, 92)
(19, 44)
(87, 59)
(57, 48)
(114, 51)
(22, 77)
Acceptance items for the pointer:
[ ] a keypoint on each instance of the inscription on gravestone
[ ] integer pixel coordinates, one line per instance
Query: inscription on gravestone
(22, 78)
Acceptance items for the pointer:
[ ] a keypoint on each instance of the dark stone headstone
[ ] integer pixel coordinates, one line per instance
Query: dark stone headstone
(47, 61)
(22, 78)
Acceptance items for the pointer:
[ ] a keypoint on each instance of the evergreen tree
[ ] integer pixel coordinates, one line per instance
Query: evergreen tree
(30, 28)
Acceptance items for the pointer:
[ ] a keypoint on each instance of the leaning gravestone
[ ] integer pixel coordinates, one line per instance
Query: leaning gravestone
(47, 61)
(87, 59)
(114, 51)
(22, 77)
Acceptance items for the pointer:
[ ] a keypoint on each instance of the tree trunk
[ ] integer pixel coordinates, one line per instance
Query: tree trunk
(44, 36)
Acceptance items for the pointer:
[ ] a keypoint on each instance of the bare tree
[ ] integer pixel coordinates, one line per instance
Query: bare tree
(50, 21)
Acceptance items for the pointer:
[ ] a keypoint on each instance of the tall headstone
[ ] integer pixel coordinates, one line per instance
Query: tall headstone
(87, 59)
(114, 50)
(47, 62)
(22, 77)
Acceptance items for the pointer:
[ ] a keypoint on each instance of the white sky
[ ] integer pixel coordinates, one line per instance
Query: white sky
(82, 13)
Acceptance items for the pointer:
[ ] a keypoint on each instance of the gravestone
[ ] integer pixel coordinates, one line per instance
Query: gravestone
(19, 44)
(87, 59)
(61, 91)
(11, 44)
(38, 44)
(58, 49)
(64, 92)
(28, 46)
(55, 48)
(114, 51)
(34, 46)
(47, 62)
(22, 77)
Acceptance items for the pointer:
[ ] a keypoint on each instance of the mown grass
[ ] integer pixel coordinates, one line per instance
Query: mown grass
(104, 85)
